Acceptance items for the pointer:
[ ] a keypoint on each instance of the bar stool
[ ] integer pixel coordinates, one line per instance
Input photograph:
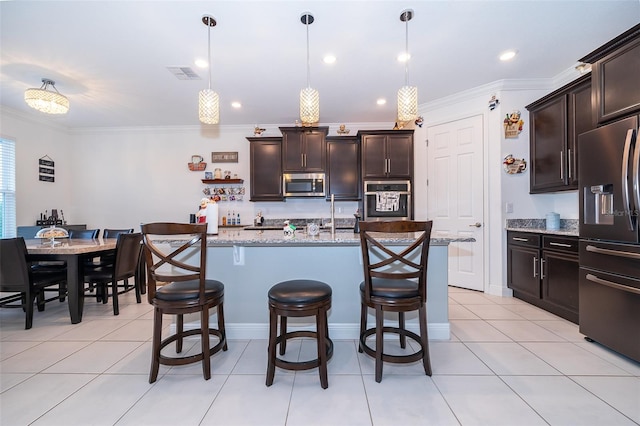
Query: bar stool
(299, 298)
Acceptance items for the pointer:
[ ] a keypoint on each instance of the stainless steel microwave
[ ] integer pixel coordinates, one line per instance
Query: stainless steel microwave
(304, 184)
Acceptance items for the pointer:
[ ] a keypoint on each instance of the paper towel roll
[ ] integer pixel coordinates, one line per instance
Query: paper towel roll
(212, 218)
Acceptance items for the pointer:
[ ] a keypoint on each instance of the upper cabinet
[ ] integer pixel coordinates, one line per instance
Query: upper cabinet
(556, 120)
(387, 154)
(303, 149)
(265, 156)
(343, 168)
(615, 69)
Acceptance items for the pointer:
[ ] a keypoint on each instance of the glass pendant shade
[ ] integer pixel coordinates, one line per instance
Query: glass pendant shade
(209, 107)
(309, 106)
(407, 103)
(45, 100)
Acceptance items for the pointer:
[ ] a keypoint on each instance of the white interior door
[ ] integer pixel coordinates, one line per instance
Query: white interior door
(455, 195)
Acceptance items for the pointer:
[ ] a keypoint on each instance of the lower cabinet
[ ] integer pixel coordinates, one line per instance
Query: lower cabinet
(543, 270)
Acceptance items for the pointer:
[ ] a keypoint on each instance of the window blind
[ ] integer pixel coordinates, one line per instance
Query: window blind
(7, 188)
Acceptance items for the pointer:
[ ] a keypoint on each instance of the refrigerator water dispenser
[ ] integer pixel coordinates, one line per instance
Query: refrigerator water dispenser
(598, 204)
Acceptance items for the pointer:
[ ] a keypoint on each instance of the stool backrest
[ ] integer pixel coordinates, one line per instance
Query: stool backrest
(392, 261)
(170, 264)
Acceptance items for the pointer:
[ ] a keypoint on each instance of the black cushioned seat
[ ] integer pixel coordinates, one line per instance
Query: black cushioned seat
(188, 290)
(299, 298)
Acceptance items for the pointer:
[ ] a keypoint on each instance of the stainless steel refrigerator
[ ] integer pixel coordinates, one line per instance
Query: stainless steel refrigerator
(609, 183)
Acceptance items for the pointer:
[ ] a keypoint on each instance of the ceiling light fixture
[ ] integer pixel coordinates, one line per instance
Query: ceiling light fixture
(407, 95)
(208, 100)
(45, 100)
(309, 98)
(508, 55)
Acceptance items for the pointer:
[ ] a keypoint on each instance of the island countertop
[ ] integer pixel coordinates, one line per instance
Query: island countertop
(276, 238)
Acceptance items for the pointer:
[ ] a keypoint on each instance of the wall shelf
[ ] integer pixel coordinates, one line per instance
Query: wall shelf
(222, 181)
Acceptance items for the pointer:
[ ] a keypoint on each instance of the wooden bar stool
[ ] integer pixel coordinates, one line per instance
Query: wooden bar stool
(299, 298)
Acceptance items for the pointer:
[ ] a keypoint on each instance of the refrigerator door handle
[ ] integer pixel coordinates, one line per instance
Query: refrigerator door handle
(609, 252)
(626, 202)
(636, 177)
(611, 284)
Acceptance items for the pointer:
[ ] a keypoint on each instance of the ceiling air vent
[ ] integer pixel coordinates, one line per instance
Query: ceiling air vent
(184, 73)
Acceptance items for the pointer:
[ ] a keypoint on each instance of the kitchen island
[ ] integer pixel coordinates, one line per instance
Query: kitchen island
(249, 262)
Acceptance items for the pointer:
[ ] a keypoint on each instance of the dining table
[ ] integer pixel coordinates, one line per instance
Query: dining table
(73, 252)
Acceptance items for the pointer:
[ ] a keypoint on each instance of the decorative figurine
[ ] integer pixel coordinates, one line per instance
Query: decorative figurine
(512, 125)
(419, 121)
(289, 229)
(493, 103)
(257, 131)
(343, 130)
(514, 166)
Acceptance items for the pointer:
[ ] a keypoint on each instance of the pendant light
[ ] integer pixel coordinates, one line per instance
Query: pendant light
(208, 101)
(407, 95)
(47, 101)
(309, 98)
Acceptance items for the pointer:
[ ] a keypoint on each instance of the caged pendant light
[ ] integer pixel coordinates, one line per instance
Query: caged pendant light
(309, 98)
(407, 95)
(208, 100)
(47, 101)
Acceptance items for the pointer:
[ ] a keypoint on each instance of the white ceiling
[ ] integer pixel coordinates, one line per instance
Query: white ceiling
(110, 58)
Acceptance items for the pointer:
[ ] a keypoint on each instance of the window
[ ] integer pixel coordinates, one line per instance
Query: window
(7, 188)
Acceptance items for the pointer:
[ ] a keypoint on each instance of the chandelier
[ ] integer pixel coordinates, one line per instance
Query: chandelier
(208, 100)
(407, 95)
(47, 101)
(309, 98)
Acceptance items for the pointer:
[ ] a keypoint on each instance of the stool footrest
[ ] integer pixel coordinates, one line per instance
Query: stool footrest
(166, 360)
(302, 365)
(399, 359)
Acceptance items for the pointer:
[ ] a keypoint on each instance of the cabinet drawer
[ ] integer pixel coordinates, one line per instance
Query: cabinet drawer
(523, 239)
(565, 244)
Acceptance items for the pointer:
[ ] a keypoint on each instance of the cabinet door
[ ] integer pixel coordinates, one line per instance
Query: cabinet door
(314, 151)
(266, 169)
(374, 160)
(292, 152)
(580, 121)
(560, 277)
(399, 152)
(522, 271)
(343, 169)
(616, 85)
(549, 146)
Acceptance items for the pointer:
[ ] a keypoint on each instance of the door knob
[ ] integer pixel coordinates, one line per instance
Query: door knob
(476, 225)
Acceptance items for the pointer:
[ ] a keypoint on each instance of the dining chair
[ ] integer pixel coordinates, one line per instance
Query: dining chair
(181, 267)
(395, 280)
(107, 258)
(26, 284)
(84, 233)
(126, 265)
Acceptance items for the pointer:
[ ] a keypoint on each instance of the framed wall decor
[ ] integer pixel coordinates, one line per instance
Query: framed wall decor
(46, 169)
(224, 157)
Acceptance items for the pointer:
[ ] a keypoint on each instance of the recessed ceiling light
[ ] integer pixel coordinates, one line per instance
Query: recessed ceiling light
(381, 101)
(201, 63)
(329, 59)
(404, 57)
(508, 55)
(236, 104)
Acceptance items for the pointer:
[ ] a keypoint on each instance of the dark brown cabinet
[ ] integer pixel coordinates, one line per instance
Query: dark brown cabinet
(556, 120)
(343, 168)
(543, 270)
(266, 168)
(303, 149)
(387, 154)
(615, 69)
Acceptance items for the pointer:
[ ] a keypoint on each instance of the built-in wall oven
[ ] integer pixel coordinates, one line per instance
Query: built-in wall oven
(387, 200)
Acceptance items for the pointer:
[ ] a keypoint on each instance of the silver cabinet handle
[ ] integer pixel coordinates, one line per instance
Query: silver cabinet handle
(542, 269)
(517, 238)
(551, 243)
(535, 267)
(569, 161)
(636, 173)
(562, 165)
(478, 225)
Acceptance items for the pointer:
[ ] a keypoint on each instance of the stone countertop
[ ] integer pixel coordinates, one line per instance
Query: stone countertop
(276, 238)
(568, 227)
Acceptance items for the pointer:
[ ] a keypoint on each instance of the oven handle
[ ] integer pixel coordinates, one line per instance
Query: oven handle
(616, 253)
(399, 192)
(611, 284)
(625, 178)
